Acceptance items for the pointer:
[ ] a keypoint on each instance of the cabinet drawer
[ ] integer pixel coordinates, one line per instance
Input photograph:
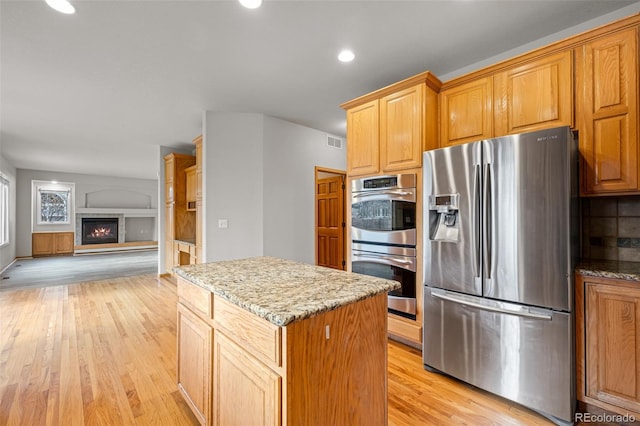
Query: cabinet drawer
(197, 298)
(256, 335)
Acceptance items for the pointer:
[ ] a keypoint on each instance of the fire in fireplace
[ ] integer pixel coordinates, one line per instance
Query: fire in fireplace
(99, 230)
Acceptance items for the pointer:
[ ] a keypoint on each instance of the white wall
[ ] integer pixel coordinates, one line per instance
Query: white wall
(291, 153)
(8, 252)
(232, 175)
(568, 32)
(259, 176)
(84, 184)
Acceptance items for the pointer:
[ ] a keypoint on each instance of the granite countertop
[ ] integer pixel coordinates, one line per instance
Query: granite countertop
(609, 269)
(283, 291)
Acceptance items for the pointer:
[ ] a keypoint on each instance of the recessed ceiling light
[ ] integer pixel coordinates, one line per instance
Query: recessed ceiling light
(62, 6)
(346, 56)
(251, 4)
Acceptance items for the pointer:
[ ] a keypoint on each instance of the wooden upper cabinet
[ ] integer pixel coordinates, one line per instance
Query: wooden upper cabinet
(607, 115)
(387, 130)
(362, 139)
(534, 95)
(466, 112)
(401, 129)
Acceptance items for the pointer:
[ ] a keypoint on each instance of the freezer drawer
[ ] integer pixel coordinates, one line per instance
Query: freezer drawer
(525, 355)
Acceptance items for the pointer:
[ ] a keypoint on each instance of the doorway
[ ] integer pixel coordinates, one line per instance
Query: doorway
(330, 217)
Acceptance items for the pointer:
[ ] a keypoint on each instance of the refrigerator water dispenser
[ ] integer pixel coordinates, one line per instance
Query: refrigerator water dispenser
(443, 217)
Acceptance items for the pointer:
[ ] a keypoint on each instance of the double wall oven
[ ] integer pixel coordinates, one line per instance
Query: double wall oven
(383, 235)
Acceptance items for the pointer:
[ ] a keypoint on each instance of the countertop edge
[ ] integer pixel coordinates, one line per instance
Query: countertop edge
(275, 318)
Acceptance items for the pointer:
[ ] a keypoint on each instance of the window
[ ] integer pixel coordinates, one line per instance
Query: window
(54, 206)
(4, 211)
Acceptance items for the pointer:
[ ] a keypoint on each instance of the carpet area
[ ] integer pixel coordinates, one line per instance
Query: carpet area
(58, 270)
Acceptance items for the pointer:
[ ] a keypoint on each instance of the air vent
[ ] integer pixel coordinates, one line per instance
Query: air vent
(334, 142)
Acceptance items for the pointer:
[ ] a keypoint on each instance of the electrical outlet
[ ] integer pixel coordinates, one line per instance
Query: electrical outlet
(223, 223)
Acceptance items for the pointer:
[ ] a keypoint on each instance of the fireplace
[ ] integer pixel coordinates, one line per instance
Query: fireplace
(96, 230)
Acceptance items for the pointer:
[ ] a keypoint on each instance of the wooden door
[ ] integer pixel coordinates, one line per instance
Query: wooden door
(401, 129)
(330, 222)
(362, 139)
(536, 95)
(466, 112)
(194, 363)
(245, 391)
(613, 345)
(607, 115)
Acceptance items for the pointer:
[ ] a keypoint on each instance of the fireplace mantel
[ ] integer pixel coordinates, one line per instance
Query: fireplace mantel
(122, 211)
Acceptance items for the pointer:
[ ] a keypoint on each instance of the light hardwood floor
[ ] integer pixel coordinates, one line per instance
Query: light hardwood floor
(104, 353)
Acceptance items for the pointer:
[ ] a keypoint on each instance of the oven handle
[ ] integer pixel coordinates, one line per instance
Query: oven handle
(375, 193)
(386, 260)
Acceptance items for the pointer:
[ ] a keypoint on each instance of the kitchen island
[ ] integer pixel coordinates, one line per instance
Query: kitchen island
(266, 341)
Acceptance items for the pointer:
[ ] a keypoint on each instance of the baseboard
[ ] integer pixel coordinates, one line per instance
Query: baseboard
(7, 267)
(102, 248)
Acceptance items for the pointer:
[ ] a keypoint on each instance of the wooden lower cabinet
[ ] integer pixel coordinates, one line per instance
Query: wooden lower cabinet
(246, 391)
(52, 243)
(328, 369)
(608, 344)
(195, 337)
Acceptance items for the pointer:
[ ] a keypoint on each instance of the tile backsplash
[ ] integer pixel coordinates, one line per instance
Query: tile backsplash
(611, 228)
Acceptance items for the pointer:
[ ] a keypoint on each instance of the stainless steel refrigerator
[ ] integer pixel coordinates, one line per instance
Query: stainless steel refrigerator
(500, 244)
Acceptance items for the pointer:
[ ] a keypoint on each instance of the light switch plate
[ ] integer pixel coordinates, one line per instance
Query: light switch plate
(223, 223)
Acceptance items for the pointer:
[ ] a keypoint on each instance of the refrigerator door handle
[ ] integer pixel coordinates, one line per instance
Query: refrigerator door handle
(476, 224)
(520, 311)
(487, 219)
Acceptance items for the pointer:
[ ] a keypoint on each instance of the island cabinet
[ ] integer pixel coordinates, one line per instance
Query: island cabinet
(387, 130)
(608, 344)
(521, 97)
(246, 362)
(607, 111)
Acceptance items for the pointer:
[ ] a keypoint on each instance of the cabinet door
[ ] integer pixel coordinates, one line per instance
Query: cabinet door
(607, 114)
(41, 244)
(362, 139)
(199, 239)
(191, 188)
(169, 185)
(401, 131)
(63, 242)
(536, 95)
(194, 363)
(613, 345)
(245, 391)
(466, 113)
(169, 236)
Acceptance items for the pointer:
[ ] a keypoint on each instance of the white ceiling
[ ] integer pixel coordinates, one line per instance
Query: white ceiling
(98, 91)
